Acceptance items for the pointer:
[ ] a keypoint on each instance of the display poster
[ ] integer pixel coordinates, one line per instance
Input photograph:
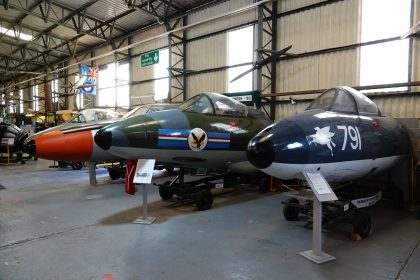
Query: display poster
(89, 77)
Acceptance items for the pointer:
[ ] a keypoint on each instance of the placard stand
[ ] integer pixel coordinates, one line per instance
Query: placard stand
(92, 173)
(143, 176)
(323, 192)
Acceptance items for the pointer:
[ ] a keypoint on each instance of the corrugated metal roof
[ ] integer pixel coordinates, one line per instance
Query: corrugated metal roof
(136, 19)
(59, 24)
(106, 9)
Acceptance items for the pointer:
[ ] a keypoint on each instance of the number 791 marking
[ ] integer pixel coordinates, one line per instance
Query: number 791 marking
(354, 135)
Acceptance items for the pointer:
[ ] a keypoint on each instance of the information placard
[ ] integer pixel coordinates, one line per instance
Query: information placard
(144, 171)
(320, 186)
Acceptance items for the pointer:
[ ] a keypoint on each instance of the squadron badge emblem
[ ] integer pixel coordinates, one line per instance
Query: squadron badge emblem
(197, 139)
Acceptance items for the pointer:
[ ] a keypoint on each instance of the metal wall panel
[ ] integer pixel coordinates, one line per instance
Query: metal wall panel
(396, 107)
(328, 26)
(141, 90)
(210, 52)
(206, 82)
(150, 45)
(399, 107)
(104, 60)
(288, 5)
(223, 23)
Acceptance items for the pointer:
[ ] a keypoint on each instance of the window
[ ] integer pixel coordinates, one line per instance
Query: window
(240, 50)
(35, 98)
(55, 93)
(113, 85)
(79, 97)
(21, 109)
(12, 104)
(161, 73)
(387, 62)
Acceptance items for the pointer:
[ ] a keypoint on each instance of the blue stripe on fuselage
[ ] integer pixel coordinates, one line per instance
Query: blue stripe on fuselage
(217, 145)
(172, 144)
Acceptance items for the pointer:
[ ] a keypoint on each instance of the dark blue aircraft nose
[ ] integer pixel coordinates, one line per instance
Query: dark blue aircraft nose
(30, 148)
(103, 138)
(260, 151)
(283, 142)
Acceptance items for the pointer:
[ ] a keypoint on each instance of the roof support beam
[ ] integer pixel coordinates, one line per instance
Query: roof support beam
(47, 8)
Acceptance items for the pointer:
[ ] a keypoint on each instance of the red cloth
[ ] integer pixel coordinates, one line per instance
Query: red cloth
(130, 171)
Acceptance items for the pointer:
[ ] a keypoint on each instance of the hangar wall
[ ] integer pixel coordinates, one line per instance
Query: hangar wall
(333, 25)
(327, 26)
(211, 52)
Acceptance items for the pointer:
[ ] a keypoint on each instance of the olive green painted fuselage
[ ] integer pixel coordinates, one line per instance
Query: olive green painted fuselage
(176, 138)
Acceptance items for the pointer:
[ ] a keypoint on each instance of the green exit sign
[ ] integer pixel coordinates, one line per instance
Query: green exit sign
(149, 58)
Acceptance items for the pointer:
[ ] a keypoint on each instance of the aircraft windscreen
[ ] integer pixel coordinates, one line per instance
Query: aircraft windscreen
(226, 106)
(98, 115)
(364, 104)
(79, 118)
(323, 101)
(140, 110)
(213, 103)
(198, 104)
(345, 100)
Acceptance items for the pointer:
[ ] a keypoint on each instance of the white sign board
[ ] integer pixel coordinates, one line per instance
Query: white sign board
(144, 171)
(7, 141)
(320, 186)
(242, 98)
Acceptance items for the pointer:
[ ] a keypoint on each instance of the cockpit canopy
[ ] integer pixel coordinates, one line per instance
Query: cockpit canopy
(95, 115)
(345, 100)
(149, 108)
(214, 104)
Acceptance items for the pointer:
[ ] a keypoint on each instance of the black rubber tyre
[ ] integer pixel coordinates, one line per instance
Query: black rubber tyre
(77, 165)
(204, 200)
(114, 174)
(166, 193)
(362, 223)
(291, 213)
(62, 164)
(398, 198)
(264, 185)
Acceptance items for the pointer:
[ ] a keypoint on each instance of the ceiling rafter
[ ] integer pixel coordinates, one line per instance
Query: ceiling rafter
(65, 17)
(151, 7)
(107, 25)
(22, 17)
(74, 19)
(38, 35)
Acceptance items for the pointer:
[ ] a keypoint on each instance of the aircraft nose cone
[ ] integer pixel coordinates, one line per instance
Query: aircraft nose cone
(260, 151)
(30, 148)
(103, 138)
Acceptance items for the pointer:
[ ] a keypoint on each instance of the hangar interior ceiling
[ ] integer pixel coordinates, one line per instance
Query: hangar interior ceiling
(45, 40)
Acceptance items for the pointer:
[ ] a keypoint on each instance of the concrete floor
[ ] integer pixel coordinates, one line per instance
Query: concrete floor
(53, 225)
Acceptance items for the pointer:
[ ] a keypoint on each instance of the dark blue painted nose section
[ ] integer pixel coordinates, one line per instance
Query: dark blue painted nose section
(260, 151)
(103, 138)
(30, 148)
(284, 142)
